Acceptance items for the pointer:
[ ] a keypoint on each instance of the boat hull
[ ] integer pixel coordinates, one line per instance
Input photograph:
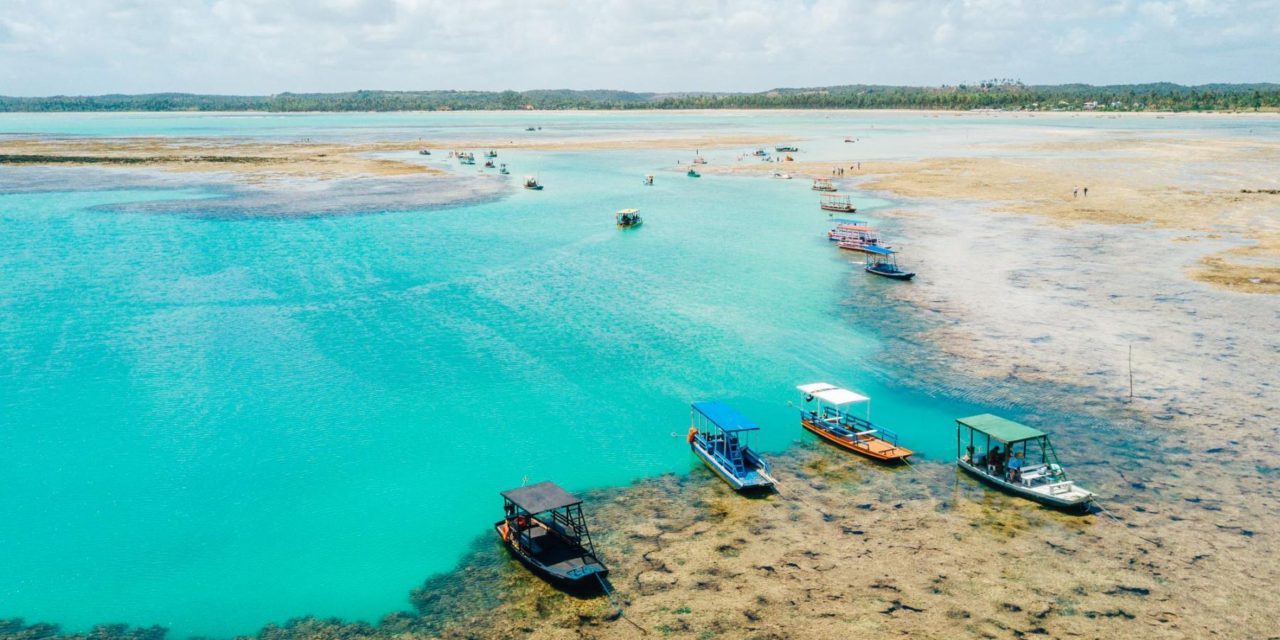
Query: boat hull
(838, 208)
(630, 226)
(1075, 504)
(581, 579)
(872, 447)
(892, 275)
(737, 483)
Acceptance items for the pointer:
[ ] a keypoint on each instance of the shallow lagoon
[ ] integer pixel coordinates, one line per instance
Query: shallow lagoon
(217, 422)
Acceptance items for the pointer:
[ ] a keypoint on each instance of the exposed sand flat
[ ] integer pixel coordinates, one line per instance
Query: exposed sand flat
(1218, 187)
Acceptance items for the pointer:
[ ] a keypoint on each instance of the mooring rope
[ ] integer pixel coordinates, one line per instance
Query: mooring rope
(617, 607)
(1122, 524)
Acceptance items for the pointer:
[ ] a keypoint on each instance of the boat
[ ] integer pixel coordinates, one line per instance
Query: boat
(824, 410)
(849, 140)
(854, 235)
(424, 152)
(786, 149)
(491, 154)
(628, 218)
(822, 184)
(987, 440)
(530, 129)
(760, 153)
(699, 160)
(693, 174)
(648, 181)
(883, 261)
(488, 164)
(502, 168)
(781, 176)
(544, 528)
(531, 183)
(719, 435)
(467, 158)
(836, 202)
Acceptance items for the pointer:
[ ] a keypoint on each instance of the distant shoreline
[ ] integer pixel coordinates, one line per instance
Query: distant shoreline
(1267, 112)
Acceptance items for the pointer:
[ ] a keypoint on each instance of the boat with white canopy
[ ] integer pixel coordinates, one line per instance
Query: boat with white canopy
(825, 410)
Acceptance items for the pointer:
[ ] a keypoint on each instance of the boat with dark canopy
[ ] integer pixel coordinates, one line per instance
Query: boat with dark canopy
(720, 437)
(1017, 459)
(544, 528)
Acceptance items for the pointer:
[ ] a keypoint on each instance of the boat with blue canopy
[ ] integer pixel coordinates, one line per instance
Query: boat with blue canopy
(1016, 459)
(825, 411)
(884, 262)
(720, 437)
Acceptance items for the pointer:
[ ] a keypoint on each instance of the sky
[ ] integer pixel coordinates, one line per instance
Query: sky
(82, 47)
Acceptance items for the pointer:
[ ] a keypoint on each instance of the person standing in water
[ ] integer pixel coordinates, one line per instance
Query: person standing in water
(1086, 192)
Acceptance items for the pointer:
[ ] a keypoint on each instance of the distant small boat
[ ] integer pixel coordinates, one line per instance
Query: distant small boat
(648, 181)
(719, 435)
(693, 174)
(781, 176)
(786, 149)
(544, 528)
(760, 153)
(1038, 477)
(467, 158)
(491, 154)
(836, 202)
(628, 218)
(502, 168)
(530, 129)
(849, 140)
(822, 184)
(424, 152)
(883, 262)
(488, 164)
(854, 235)
(531, 183)
(699, 160)
(824, 410)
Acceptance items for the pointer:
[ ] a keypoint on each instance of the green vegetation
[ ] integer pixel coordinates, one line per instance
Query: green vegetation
(991, 94)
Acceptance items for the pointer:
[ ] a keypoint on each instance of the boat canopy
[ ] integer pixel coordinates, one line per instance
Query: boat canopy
(627, 212)
(724, 416)
(998, 428)
(848, 221)
(541, 497)
(832, 394)
(878, 250)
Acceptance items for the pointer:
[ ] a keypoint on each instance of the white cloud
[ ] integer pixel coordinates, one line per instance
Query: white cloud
(268, 46)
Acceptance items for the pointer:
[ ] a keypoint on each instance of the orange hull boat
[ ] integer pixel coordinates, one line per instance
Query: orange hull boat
(867, 445)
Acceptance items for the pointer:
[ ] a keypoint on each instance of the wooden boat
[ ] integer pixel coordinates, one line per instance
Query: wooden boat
(491, 154)
(531, 183)
(824, 410)
(628, 218)
(648, 181)
(883, 261)
(424, 152)
(488, 164)
(693, 174)
(854, 235)
(502, 168)
(719, 435)
(786, 149)
(467, 158)
(822, 184)
(836, 202)
(983, 445)
(544, 528)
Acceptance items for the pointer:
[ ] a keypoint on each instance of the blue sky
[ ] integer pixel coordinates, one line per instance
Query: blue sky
(270, 46)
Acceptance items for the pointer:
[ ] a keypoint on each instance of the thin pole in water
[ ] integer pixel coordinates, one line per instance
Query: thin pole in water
(1130, 372)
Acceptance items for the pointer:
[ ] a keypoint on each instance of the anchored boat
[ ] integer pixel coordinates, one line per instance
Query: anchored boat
(719, 436)
(824, 410)
(836, 202)
(628, 218)
(693, 174)
(502, 168)
(491, 154)
(1032, 471)
(786, 149)
(544, 528)
(531, 183)
(823, 184)
(883, 261)
(648, 181)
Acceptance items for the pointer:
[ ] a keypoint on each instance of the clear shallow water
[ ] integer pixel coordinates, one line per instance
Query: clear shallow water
(212, 423)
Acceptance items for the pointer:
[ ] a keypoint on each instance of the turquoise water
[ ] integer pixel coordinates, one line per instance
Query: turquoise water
(215, 423)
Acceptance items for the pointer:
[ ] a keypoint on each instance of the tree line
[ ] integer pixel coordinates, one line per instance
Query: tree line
(993, 94)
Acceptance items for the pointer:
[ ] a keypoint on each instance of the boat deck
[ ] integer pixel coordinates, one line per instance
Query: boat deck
(867, 445)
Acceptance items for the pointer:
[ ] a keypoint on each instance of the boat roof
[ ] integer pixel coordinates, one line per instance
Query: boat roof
(1001, 429)
(724, 416)
(848, 221)
(544, 496)
(854, 227)
(832, 394)
(835, 195)
(627, 211)
(878, 250)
